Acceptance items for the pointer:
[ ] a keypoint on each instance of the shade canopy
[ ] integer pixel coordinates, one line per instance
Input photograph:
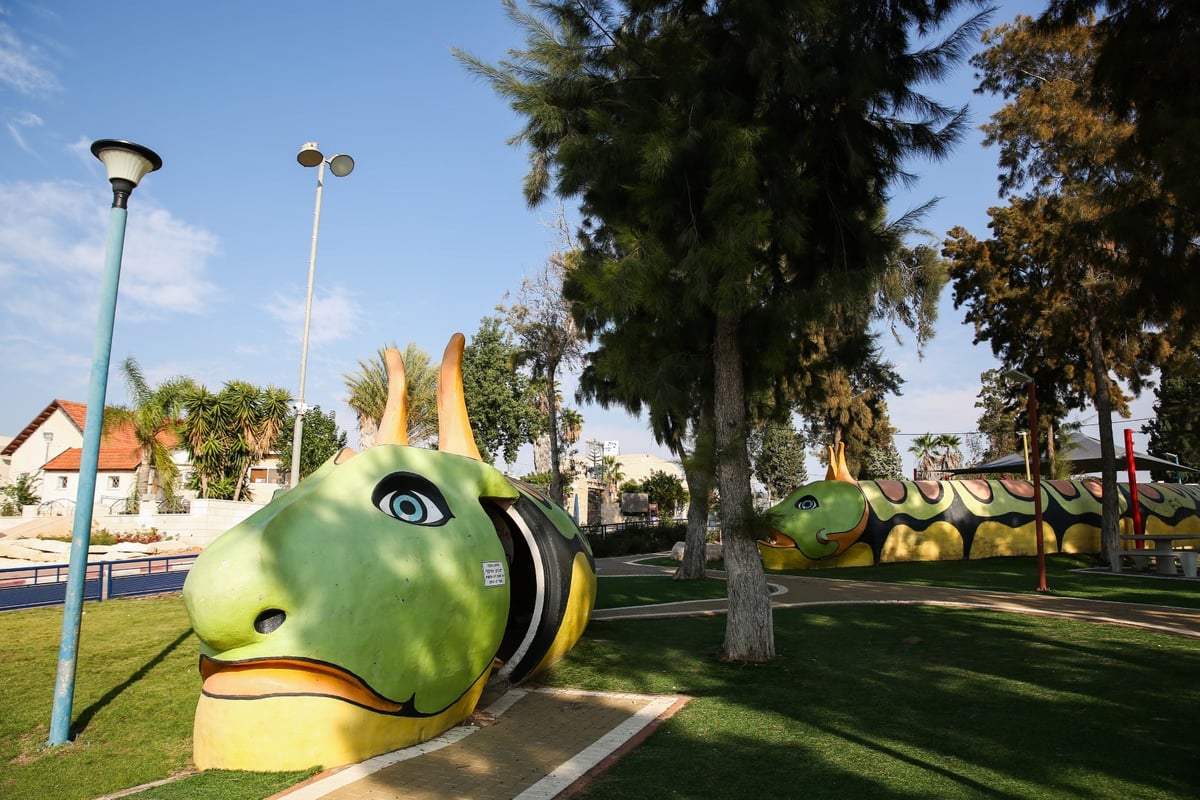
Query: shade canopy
(1083, 452)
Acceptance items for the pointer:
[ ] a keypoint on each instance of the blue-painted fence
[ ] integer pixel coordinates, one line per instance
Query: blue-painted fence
(31, 587)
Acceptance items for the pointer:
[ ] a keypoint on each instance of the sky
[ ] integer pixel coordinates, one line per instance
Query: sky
(423, 239)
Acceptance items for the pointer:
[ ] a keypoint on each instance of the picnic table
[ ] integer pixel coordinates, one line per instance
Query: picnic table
(1165, 552)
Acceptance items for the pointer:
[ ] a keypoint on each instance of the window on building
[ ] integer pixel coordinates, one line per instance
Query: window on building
(62, 481)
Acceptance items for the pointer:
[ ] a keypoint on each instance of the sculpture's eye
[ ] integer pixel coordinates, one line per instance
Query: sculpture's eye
(807, 503)
(411, 498)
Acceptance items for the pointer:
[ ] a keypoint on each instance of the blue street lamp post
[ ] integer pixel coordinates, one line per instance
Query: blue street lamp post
(126, 163)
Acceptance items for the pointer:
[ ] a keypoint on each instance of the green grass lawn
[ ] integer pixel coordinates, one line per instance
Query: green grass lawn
(640, 590)
(135, 690)
(899, 701)
(862, 701)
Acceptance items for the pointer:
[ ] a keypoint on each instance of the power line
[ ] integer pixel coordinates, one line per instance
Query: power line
(981, 433)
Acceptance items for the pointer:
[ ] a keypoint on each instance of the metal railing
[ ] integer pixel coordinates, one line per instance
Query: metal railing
(61, 507)
(174, 505)
(617, 527)
(33, 587)
(123, 507)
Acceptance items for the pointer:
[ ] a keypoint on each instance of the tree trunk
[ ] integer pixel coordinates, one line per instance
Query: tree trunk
(237, 486)
(368, 429)
(1110, 509)
(144, 474)
(749, 631)
(541, 453)
(697, 469)
(556, 481)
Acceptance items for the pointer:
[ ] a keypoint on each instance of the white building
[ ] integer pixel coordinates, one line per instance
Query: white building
(595, 503)
(51, 447)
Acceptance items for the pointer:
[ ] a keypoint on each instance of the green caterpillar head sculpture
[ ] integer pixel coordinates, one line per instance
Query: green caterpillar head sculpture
(820, 520)
(364, 610)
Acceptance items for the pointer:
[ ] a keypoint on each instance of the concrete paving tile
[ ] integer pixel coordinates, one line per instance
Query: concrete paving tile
(540, 742)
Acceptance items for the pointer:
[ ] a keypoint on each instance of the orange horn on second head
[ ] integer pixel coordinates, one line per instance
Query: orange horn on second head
(393, 428)
(837, 464)
(454, 427)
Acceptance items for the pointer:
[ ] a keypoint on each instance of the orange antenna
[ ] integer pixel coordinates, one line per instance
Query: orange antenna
(393, 428)
(837, 464)
(454, 428)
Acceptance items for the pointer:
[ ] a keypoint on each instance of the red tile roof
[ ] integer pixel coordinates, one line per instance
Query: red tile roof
(119, 449)
(77, 412)
(111, 460)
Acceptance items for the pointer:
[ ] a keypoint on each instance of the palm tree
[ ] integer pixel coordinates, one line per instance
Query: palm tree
(368, 395)
(570, 422)
(924, 447)
(950, 456)
(252, 418)
(153, 417)
(230, 431)
(201, 434)
(612, 472)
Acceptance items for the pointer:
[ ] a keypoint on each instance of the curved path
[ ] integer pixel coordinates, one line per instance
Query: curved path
(791, 591)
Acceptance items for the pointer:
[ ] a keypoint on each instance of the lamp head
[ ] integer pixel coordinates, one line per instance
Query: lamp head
(126, 163)
(341, 165)
(1017, 375)
(310, 155)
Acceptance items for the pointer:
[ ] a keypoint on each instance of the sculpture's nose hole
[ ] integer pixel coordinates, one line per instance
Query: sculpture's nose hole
(269, 620)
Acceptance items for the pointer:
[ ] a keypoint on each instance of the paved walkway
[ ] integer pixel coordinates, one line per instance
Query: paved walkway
(528, 744)
(537, 744)
(792, 591)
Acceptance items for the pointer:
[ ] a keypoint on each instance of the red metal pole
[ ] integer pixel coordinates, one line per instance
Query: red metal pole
(1037, 487)
(1135, 508)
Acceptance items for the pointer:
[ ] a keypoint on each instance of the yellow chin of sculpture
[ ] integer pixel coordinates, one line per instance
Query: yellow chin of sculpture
(288, 733)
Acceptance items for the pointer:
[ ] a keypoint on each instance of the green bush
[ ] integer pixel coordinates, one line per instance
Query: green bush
(21, 492)
(635, 539)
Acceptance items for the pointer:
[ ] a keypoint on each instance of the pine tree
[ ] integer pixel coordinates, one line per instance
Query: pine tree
(732, 160)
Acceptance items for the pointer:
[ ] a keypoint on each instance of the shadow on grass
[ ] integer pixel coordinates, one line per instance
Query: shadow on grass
(905, 702)
(81, 722)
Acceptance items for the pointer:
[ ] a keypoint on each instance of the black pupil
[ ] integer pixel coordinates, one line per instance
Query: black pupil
(407, 507)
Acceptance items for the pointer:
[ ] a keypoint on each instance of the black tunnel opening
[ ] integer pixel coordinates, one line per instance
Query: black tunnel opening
(522, 583)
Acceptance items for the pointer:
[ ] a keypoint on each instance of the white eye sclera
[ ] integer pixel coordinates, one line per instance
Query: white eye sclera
(411, 498)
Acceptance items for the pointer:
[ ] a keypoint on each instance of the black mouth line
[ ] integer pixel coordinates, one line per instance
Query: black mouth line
(295, 677)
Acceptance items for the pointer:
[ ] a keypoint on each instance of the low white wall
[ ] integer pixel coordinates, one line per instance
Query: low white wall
(27, 513)
(208, 520)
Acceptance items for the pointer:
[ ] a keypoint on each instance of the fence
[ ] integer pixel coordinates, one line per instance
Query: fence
(32, 587)
(617, 527)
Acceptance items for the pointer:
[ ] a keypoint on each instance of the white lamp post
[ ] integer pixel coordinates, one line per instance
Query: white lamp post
(126, 163)
(340, 165)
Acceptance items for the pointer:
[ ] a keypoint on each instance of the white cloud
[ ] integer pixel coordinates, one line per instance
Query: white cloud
(23, 66)
(43, 368)
(26, 119)
(53, 235)
(163, 268)
(334, 314)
